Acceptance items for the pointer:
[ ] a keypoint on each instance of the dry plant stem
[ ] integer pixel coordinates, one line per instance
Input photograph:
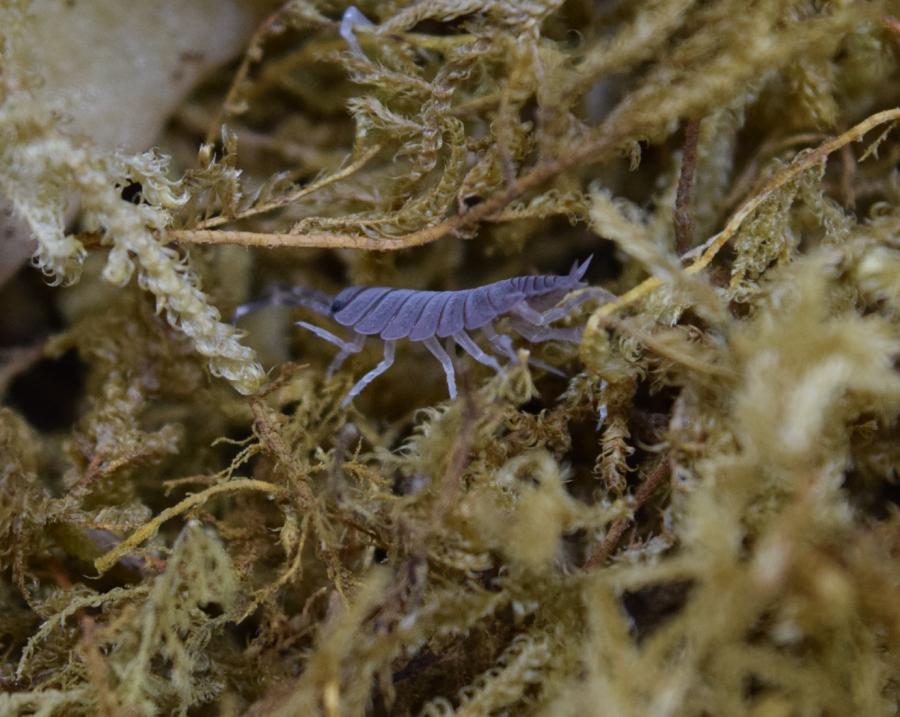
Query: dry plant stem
(714, 245)
(744, 184)
(253, 54)
(279, 202)
(312, 241)
(797, 167)
(659, 475)
(274, 70)
(534, 178)
(150, 528)
(315, 50)
(271, 438)
(684, 223)
(459, 457)
(457, 462)
(294, 572)
(96, 666)
(299, 491)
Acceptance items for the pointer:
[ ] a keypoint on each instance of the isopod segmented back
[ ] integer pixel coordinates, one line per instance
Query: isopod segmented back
(424, 316)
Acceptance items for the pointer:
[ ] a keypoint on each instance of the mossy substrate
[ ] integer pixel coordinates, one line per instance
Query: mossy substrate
(699, 518)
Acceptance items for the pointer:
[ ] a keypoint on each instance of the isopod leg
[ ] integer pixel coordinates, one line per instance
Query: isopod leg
(537, 363)
(372, 375)
(564, 309)
(350, 347)
(539, 334)
(250, 307)
(323, 334)
(503, 343)
(474, 350)
(350, 21)
(438, 352)
(346, 347)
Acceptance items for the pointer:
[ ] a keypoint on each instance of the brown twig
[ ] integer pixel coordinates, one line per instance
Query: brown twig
(297, 194)
(801, 164)
(459, 458)
(253, 54)
(748, 180)
(265, 426)
(684, 221)
(653, 481)
(480, 212)
(151, 527)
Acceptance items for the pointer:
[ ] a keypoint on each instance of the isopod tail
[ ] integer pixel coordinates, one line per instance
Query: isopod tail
(311, 299)
(578, 270)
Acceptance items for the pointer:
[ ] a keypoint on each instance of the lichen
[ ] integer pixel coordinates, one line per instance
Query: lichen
(700, 517)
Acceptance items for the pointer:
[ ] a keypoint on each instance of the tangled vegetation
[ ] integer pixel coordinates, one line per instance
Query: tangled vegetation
(699, 519)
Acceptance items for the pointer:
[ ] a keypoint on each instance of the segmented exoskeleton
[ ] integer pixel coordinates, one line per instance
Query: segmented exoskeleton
(530, 302)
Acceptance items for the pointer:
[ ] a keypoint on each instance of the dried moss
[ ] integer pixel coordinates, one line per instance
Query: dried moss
(700, 519)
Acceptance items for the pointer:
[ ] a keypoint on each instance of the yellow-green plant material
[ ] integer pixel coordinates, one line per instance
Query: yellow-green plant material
(700, 517)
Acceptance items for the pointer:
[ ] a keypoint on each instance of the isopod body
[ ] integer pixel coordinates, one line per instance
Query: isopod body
(530, 302)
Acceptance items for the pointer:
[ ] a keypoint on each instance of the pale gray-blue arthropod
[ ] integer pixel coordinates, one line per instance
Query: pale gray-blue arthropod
(351, 20)
(318, 301)
(530, 302)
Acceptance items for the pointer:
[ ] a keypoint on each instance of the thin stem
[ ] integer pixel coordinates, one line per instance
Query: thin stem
(151, 527)
(684, 221)
(657, 477)
(253, 54)
(711, 248)
(480, 212)
(297, 194)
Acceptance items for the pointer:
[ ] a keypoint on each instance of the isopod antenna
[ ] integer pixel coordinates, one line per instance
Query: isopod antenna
(311, 299)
